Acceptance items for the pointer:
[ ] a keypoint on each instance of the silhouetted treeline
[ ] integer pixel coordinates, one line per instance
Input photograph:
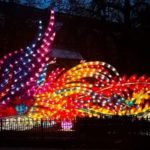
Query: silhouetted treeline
(128, 12)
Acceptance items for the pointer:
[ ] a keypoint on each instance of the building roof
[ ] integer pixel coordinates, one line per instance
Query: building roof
(66, 54)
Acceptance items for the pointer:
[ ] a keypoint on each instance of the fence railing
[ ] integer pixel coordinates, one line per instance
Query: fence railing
(21, 124)
(83, 125)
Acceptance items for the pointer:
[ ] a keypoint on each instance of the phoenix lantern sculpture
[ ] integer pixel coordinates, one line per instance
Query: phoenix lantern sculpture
(86, 90)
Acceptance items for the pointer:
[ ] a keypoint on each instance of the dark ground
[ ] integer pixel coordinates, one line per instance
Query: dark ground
(87, 134)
